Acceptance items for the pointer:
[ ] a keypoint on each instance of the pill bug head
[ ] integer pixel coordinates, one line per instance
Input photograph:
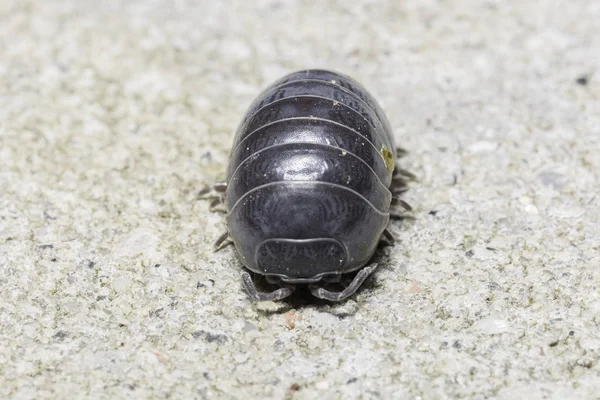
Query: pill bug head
(301, 261)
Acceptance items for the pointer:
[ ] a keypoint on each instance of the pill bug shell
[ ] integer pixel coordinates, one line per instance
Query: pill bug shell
(308, 182)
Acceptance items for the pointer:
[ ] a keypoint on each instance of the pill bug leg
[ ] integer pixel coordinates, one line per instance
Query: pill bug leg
(401, 174)
(214, 206)
(387, 239)
(219, 242)
(400, 179)
(399, 186)
(220, 186)
(218, 189)
(402, 217)
(398, 201)
(215, 194)
(401, 152)
(404, 174)
(275, 295)
(358, 280)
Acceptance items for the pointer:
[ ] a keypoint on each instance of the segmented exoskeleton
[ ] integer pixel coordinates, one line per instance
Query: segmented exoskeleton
(309, 184)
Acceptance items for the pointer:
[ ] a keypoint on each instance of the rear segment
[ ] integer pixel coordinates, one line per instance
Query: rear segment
(300, 261)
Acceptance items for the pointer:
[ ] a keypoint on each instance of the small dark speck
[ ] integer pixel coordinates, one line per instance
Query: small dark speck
(122, 325)
(205, 374)
(187, 268)
(206, 157)
(210, 337)
(352, 380)
(490, 248)
(571, 333)
(469, 253)
(156, 313)
(98, 298)
(8, 239)
(53, 259)
(433, 212)
(130, 386)
(582, 80)
(91, 264)
(156, 265)
(294, 387)
(455, 180)
(553, 344)
(278, 345)
(122, 344)
(200, 284)
(61, 335)
(444, 344)
(455, 273)
(457, 344)
(46, 246)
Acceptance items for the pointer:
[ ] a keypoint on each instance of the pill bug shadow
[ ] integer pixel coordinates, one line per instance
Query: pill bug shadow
(311, 186)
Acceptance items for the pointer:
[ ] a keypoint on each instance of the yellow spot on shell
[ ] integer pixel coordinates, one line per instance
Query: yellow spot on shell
(388, 158)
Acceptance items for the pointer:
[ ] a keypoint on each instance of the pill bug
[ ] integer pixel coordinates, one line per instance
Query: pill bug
(310, 183)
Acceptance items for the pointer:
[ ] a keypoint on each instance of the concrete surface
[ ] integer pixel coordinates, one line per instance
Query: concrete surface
(113, 115)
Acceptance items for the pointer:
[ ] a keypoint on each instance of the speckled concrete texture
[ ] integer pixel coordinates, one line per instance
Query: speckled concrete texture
(113, 116)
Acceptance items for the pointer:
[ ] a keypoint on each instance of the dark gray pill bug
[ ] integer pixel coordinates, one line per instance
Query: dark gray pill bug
(310, 183)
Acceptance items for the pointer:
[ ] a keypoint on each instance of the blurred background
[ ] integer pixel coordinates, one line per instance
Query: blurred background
(114, 114)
